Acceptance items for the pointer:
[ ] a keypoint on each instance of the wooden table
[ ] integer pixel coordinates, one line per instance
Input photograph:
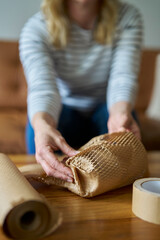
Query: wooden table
(105, 217)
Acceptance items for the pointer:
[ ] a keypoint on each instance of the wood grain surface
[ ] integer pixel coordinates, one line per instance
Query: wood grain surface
(105, 217)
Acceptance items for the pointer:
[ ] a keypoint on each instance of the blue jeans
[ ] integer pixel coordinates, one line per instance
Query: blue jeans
(76, 127)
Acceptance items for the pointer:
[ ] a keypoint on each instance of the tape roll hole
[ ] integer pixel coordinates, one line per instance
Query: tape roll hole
(152, 186)
(29, 221)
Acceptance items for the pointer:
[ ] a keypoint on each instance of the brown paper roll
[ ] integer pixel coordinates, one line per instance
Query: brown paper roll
(146, 199)
(24, 214)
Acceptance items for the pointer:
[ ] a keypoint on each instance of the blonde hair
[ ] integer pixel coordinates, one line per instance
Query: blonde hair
(58, 22)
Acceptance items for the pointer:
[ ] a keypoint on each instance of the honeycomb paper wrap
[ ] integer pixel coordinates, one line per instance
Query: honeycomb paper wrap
(24, 214)
(105, 163)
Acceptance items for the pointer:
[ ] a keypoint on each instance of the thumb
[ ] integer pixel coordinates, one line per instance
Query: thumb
(68, 150)
(123, 129)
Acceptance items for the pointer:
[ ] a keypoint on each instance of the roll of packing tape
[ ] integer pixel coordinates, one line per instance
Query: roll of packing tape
(146, 199)
(24, 214)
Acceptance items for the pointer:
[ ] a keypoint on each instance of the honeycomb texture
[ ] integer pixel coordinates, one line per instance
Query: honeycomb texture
(105, 163)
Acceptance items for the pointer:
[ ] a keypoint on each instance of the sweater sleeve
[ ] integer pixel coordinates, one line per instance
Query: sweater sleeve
(123, 84)
(36, 57)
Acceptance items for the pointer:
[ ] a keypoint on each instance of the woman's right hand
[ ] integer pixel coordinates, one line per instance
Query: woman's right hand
(47, 140)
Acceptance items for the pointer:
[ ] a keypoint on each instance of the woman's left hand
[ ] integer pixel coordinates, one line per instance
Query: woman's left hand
(121, 119)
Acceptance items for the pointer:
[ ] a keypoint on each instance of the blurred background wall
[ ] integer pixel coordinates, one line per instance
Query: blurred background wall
(13, 15)
(13, 89)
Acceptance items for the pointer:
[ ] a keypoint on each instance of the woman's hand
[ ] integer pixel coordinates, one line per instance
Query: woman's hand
(48, 140)
(121, 119)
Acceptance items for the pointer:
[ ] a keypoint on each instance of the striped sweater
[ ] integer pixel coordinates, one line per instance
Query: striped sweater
(85, 73)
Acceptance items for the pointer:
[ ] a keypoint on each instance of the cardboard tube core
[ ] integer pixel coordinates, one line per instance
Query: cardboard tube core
(28, 220)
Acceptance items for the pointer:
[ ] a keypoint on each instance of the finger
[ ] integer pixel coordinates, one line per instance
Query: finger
(53, 172)
(123, 129)
(137, 133)
(120, 129)
(51, 159)
(135, 129)
(65, 148)
(113, 130)
(64, 160)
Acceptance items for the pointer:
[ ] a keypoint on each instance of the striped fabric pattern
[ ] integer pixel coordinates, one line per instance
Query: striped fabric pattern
(85, 73)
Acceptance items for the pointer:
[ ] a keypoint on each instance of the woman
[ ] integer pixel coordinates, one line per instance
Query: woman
(81, 61)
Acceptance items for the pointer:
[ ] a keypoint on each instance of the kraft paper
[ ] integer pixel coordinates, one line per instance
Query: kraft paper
(105, 163)
(24, 214)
